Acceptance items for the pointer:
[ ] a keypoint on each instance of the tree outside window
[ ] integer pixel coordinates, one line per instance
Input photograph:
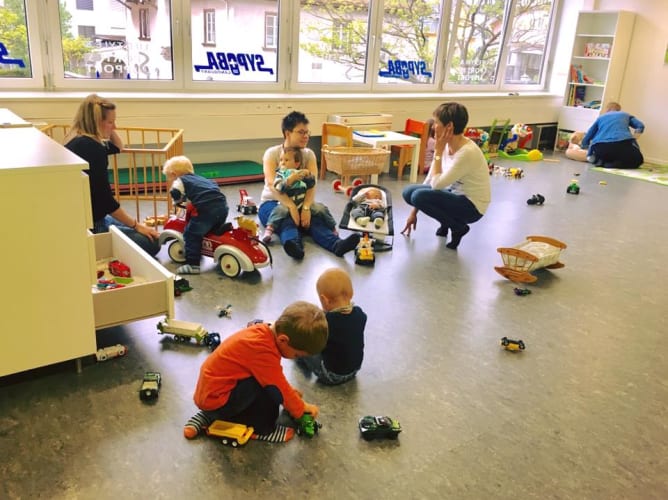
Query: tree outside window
(14, 52)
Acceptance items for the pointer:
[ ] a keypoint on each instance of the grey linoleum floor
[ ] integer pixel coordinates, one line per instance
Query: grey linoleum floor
(580, 414)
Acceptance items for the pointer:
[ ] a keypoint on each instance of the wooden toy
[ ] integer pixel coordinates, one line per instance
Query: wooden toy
(535, 253)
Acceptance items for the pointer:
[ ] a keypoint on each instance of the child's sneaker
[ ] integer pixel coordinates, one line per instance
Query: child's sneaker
(378, 222)
(362, 221)
(187, 269)
(268, 233)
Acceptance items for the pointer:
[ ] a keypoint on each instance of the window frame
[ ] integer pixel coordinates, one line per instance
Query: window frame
(209, 20)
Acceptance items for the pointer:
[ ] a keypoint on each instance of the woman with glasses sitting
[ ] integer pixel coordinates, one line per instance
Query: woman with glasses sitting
(312, 218)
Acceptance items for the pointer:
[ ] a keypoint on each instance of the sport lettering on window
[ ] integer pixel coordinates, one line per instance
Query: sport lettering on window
(405, 69)
(6, 60)
(228, 62)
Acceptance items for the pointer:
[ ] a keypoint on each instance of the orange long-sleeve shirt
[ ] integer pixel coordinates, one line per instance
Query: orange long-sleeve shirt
(251, 352)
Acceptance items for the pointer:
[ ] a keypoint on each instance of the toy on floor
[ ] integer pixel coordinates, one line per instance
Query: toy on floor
(225, 312)
(307, 426)
(379, 427)
(521, 291)
(118, 268)
(512, 345)
(183, 331)
(364, 254)
(235, 249)
(181, 285)
(158, 220)
(573, 187)
(536, 199)
(232, 434)
(246, 204)
(150, 386)
(113, 351)
(338, 187)
(536, 252)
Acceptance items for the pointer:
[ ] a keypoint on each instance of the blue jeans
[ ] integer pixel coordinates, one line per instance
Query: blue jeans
(288, 230)
(150, 247)
(452, 210)
(207, 218)
(317, 366)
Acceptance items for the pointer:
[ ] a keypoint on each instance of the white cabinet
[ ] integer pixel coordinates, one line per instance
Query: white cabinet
(598, 62)
(50, 309)
(47, 308)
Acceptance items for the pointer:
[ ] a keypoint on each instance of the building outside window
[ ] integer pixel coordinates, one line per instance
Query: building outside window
(144, 24)
(271, 30)
(209, 27)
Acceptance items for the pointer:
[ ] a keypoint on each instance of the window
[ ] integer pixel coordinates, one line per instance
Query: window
(409, 41)
(481, 30)
(85, 4)
(14, 49)
(86, 32)
(334, 36)
(144, 25)
(209, 27)
(240, 53)
(270, 30)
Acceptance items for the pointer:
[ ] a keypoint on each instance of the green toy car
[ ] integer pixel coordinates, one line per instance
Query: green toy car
(379, 427)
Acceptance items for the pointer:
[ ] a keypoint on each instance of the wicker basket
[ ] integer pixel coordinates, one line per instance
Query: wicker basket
(347, 161)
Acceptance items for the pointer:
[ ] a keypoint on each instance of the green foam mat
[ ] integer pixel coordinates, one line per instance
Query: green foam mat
(650, 173)
(228, 172)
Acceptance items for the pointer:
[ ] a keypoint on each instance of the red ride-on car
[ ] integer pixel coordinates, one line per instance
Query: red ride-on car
(235, 249)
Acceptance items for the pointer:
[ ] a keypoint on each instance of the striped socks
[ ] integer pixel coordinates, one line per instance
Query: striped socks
(281, 434)
(195, 425)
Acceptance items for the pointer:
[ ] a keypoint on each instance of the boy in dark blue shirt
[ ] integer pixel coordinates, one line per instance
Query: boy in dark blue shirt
(210, 207)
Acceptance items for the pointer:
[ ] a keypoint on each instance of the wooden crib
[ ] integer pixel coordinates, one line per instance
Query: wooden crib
(536, 252)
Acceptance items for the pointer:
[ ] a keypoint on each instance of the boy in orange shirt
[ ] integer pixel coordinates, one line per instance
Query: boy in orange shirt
(242, 381)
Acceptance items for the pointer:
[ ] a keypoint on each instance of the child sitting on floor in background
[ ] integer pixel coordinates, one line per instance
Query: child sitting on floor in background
(369, 206)
(242, 381)
(431, 145)
(210, 207)
(293, 181)
(342, 357)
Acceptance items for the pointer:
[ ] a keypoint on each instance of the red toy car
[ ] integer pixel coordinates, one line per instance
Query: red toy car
(246, 204)
(235, 249)
(118, 268)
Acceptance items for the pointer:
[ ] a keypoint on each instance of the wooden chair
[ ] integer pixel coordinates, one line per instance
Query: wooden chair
(415, 128)
(342, 135)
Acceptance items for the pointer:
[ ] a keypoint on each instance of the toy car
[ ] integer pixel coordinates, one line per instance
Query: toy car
(113, 351)
(183, 331)
(573, 187)
(521, 291)
(232, 434)
(512, 345)
(308, 426)
(150, 386)
(246, 204)
(364, 254)
(235, 249)
(118, 268)
(379, 427)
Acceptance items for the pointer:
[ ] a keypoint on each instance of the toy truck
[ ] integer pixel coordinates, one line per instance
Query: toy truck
(231, 434)
(246, 204)
(183, 331)
(114, 351)
(150, 386)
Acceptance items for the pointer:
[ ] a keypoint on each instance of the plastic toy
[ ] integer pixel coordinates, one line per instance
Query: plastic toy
(183, 331)
(512, 345)
(246, 204)
(150, 386)
(536, 199)
(379, 427)
(155, 221)
(338, 187)
(307, 425)
(103, 284)
(225, 312)
(573, 187)
(235, 249)
(118, 268)
(521, 291)
(113, 351)
(254, 322)
(181, 285)
(232, 434)
(364, 254)
(536, 252)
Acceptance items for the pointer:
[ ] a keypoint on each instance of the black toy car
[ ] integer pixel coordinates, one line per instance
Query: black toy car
(379, 427)
(212, 340)
(521, 291)
(512, 345)
(150, 386)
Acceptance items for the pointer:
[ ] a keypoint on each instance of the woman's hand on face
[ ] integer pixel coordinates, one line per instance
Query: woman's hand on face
(443, 135)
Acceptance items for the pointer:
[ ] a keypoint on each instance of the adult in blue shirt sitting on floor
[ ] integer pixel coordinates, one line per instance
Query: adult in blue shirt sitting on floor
(610, 141)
